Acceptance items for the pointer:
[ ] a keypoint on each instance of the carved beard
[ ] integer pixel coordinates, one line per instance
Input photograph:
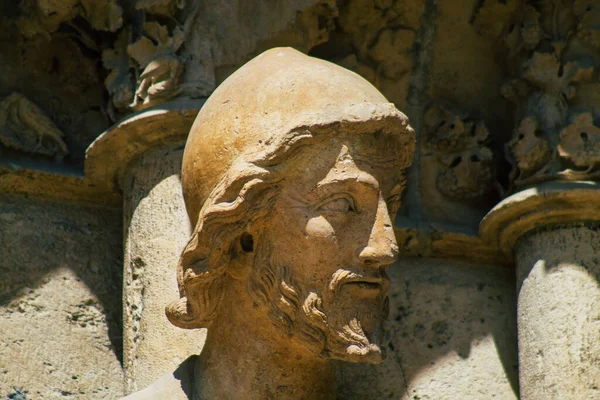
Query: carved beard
(329, 322)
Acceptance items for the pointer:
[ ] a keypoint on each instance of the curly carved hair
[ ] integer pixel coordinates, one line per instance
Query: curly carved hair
(245, 195)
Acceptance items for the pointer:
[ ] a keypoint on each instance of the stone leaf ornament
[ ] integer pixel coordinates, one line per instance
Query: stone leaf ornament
(459, 144)
(588, 28)
(143, 62)
(553, 85)
(43, 17)
(575, 157)
(166, 8)
(554, 48)
(580, 142)
(532, 154)
(155, 55)
(26, 128)
(119, 82)
(529, 30)
(493, 17)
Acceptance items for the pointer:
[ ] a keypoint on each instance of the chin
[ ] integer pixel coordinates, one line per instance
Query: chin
(357, 341)
(356, 331)
(371, 354)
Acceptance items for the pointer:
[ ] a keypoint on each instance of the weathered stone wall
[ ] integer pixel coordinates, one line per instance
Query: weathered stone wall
(60, 299)
(452, 336)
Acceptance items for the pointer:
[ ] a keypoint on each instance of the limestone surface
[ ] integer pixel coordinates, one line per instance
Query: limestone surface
(60, 303)
(559, 293)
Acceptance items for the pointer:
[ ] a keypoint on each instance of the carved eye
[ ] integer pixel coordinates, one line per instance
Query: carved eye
(341, 205)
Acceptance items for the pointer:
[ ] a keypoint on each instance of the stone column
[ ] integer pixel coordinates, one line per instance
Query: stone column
(141, 157)
(553, 232)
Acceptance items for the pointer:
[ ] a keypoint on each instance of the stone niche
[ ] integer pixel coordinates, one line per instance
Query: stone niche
(496, 286)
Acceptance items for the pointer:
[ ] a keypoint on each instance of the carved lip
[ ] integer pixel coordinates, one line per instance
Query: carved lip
(369, 283)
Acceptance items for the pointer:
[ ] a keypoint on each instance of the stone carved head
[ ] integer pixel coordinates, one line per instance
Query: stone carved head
(292, 174)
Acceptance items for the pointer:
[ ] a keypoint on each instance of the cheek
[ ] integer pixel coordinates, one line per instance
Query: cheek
(319, 228)
(321, 243)
(319, 251)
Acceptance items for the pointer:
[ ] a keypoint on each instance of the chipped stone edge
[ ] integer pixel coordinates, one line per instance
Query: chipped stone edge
(550, 203)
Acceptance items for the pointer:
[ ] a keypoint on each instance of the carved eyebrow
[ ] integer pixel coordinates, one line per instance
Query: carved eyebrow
(377, 161)
(299, 200)
(324, 187)
(350, 180)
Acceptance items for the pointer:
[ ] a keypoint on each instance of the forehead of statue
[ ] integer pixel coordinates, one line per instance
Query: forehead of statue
(382, 155)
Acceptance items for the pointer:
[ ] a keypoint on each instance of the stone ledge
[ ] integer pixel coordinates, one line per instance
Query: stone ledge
(431, 240)
(56, 186)
(550, 203)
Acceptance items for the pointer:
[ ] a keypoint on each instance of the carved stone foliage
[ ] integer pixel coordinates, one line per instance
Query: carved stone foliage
(173, 48)
(466, 167)
(156, 50)
(382, 32)
(379, 37)
(139, 56)
(25, 128)
(43, 17)
(151, 52)
(52, 50)
(145, 66)
(554, 49)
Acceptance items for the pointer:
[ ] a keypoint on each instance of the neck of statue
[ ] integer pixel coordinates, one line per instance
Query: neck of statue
(247, 357)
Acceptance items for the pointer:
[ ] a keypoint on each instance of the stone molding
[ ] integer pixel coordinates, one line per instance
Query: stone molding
(434, 240)
(109, 155)
(550, 203)
(59, 185)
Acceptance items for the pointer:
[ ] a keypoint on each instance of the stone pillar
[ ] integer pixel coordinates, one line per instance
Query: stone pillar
(141, 157)
(559, 313)
(553, 232)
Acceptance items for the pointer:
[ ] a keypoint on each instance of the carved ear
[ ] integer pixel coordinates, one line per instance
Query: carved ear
(247, 242)
(242, 256)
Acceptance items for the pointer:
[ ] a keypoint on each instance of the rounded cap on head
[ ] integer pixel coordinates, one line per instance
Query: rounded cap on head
(277, 92)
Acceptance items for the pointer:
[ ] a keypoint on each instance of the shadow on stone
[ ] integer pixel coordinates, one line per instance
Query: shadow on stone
(453, 333)
(40, 239)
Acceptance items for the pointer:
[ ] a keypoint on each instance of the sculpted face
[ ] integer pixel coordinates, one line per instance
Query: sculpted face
(308, 161)
(330, 237)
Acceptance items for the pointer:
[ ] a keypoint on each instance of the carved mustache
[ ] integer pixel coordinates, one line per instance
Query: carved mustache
(369, 279)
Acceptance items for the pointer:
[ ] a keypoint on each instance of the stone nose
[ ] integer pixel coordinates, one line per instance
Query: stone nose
(381, 248)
